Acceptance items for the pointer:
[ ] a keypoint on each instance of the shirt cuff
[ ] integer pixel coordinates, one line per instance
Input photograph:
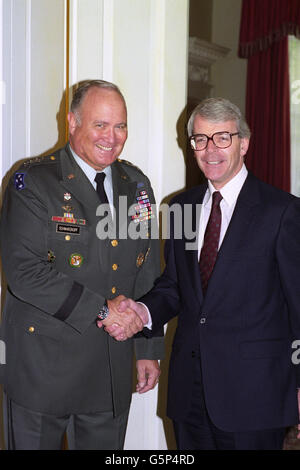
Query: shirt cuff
(149, 323)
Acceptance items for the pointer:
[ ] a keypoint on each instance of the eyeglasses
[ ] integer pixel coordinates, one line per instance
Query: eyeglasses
(221, 140)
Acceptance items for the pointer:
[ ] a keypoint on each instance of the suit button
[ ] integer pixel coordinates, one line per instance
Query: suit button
(202, 321)
(193, 354)
(115, 266)
(31, 329)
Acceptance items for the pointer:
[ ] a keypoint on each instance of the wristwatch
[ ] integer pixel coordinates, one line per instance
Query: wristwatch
(104, 312)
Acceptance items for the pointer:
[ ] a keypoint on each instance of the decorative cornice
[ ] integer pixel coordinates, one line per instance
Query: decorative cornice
(202, 54)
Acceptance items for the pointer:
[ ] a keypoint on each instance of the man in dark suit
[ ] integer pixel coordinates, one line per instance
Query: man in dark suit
(236, 291)
(65, 264)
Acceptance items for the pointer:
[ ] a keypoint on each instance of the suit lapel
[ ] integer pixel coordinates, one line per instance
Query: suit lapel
(192, 254)
(236, 233)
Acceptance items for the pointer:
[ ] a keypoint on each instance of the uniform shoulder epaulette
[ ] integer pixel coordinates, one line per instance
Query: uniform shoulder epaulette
(126, 162)
(37, 160)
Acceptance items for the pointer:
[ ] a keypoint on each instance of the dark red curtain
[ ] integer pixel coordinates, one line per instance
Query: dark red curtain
(265, 25)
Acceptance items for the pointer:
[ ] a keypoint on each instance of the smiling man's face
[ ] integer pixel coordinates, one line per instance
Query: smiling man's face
(220, 165)
(98, 130)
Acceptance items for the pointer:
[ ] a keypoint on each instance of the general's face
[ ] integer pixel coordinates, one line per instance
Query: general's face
(220, 165)
(102, 132)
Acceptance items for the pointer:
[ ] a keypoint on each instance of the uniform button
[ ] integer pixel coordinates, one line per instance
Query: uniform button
(202, 320)
(68, 237)
(115, 266)
(113, 290)
(31, 329)
(114, 243)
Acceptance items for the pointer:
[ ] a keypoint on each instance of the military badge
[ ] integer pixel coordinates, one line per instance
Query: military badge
(140, 260)
(19, 181)
(67, 208)
(147, 254)
(75, 260)
(67, 197)
(51, 256)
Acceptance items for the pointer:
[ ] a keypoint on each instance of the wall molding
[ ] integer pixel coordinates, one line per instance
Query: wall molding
(203, 54)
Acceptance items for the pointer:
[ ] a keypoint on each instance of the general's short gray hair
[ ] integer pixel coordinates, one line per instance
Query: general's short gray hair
(219, 110)
(83, 88)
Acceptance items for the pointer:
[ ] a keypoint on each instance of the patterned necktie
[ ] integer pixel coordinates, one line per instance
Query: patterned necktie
(211, 241)
(99, 178)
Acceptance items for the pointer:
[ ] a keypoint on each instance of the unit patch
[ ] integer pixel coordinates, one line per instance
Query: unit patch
(19, 181)
(75, 260)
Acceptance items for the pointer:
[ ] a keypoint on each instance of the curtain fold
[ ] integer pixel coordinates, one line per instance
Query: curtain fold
(264, 30)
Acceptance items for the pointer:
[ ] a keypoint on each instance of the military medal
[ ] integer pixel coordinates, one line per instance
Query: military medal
(75, 260)
(143, 209)
(68, 218)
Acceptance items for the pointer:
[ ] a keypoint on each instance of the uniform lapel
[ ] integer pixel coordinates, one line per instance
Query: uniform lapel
(75, 182)
(124, 196)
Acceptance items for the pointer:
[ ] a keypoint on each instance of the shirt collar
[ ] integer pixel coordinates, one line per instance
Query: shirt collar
(88, 170)
(231, 190)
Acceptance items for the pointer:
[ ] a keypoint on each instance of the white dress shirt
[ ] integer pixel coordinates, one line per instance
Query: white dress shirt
(230, 193)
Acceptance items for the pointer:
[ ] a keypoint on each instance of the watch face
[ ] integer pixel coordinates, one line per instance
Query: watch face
(104, 311)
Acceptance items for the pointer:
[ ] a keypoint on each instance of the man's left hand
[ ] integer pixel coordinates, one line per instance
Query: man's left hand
(148, 373)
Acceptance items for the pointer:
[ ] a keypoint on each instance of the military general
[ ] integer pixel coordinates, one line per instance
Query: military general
(66, 266)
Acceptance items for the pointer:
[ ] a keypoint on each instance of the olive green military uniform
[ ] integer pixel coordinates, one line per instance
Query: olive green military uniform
(59, 274)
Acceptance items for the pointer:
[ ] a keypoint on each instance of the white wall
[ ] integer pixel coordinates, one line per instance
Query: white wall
(139, 44)
(34, 76)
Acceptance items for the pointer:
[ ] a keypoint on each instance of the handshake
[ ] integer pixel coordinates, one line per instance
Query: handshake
(125, 318)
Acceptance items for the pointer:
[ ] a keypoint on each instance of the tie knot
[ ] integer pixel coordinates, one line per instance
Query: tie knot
(217, 198)
(99, 178)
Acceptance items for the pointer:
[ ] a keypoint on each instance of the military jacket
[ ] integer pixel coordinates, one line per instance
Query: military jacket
(60, 269)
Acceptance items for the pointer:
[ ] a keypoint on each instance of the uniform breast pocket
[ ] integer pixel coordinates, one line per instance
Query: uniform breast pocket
(68, 245)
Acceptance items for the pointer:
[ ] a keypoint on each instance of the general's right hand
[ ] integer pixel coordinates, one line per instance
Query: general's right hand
(121, 323)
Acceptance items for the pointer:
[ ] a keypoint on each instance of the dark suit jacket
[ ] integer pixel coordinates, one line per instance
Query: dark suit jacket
(57, 360)
(248, 319)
